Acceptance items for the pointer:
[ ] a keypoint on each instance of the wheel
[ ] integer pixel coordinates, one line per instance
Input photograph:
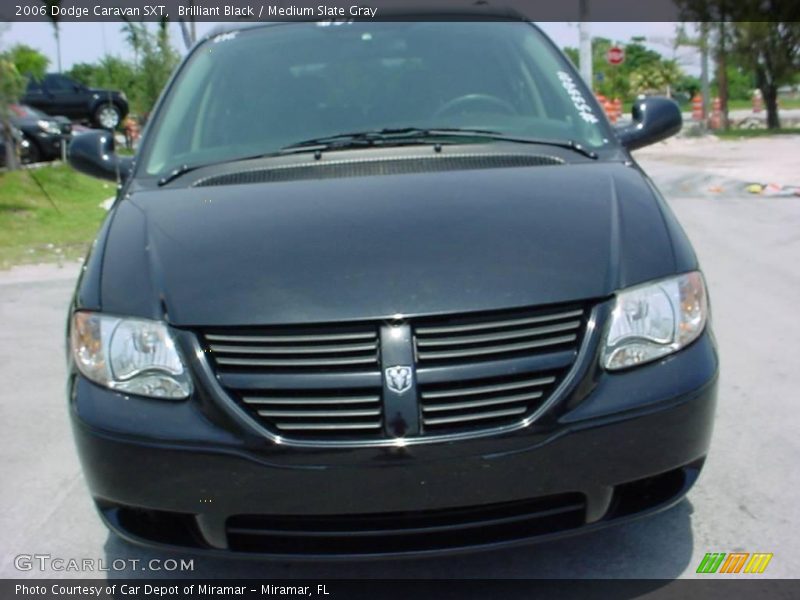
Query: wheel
(29, 151)
(486, 100)
(107, 116)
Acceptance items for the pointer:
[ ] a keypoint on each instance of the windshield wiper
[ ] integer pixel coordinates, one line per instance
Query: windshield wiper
(386, 136)
(358, 139)
(568, 144)
(177, 172)
(412, 135)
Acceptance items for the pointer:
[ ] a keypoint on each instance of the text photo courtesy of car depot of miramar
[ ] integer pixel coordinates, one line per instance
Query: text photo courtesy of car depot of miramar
(474, 295)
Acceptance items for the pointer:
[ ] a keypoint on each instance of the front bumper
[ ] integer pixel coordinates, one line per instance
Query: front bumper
(178, 475)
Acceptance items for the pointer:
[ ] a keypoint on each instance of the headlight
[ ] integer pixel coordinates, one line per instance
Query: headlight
(136, 356)
(652, 320)
(50, 127)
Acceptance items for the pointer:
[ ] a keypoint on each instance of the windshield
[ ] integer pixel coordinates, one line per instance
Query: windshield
(256, 91)
(23, 110)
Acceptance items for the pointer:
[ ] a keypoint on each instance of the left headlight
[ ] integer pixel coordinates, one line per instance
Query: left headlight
(50, 127)
(136, 356)
(655, 319)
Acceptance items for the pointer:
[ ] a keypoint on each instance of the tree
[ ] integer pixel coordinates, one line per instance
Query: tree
(644, 70)
(54, 20)
(656, 78)
(772, 51)
(156, 58)
(109, 72)
(12, 84)
(769, 49)
(28, 61)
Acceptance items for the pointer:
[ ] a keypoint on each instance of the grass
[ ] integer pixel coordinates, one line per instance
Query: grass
(34, 228)
(735, 134)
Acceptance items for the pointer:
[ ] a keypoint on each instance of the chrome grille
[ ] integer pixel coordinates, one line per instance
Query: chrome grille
(463, 346)
(303, 382)
(321, 414)
(480, 338)
(482, 403)
(330, 348)
(474, 372)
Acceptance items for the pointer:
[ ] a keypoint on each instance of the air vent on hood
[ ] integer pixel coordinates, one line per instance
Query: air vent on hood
(386, 166)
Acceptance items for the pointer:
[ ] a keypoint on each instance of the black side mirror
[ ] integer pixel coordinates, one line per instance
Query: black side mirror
(654, 119)
(93, 153)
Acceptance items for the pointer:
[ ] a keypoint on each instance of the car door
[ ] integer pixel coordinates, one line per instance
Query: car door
(66, 97)
(36, 96)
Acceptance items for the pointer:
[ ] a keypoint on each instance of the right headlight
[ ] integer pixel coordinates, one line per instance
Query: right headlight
(136, 356)
(655, 319)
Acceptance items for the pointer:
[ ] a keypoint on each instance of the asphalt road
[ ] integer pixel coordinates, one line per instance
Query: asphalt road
(748, 498)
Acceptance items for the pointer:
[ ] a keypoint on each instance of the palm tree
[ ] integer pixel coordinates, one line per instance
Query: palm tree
(54, 19)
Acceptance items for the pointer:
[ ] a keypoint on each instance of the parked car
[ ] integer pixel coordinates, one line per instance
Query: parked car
(44, 133)
(57, 94)
(24, 147)
(386, 288)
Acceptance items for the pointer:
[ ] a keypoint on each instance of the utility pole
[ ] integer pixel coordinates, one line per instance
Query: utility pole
(585, 55)
(58, 44)
(704, 84)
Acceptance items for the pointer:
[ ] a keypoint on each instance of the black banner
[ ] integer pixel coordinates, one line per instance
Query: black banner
(385, 10)
(133, 589)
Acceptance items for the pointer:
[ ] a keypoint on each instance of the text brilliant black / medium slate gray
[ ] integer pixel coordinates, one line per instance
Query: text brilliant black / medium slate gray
(462, 310)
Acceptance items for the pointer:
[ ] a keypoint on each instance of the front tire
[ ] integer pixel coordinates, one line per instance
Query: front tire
(107, 116)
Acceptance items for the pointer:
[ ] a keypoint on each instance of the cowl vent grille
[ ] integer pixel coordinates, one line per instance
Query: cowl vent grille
(336, 169)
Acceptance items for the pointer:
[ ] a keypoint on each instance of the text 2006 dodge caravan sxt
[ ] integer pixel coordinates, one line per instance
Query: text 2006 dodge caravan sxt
(374, 289)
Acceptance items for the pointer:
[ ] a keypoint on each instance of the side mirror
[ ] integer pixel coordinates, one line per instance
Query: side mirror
(654, 119)
(93, 153)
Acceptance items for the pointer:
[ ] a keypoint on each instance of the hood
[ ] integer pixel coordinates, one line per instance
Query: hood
(373, 247)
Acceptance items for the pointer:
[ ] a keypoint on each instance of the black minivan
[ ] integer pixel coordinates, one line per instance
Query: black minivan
(385, 288)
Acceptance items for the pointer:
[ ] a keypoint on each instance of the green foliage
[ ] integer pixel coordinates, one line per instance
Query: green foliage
(141, 79)
(573, 54)
(110, 72)
(155, 61)
(28, 61)
(770, 50)
(12, 84)
(644, 70)
(741, 83)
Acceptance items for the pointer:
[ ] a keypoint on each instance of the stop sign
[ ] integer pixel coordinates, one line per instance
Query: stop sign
(615, 55)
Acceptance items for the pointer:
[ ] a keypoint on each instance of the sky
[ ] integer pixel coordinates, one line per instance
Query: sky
(89, 41)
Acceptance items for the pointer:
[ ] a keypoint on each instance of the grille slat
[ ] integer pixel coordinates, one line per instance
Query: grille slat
(277, 339)
(497, 349)
(481, 403)
(491, 337)
(494, 324)
(296, 362)
(333, 349)
(328, 414)
(488, 389)
(326, 426)
(312, 401)
(512, 412)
